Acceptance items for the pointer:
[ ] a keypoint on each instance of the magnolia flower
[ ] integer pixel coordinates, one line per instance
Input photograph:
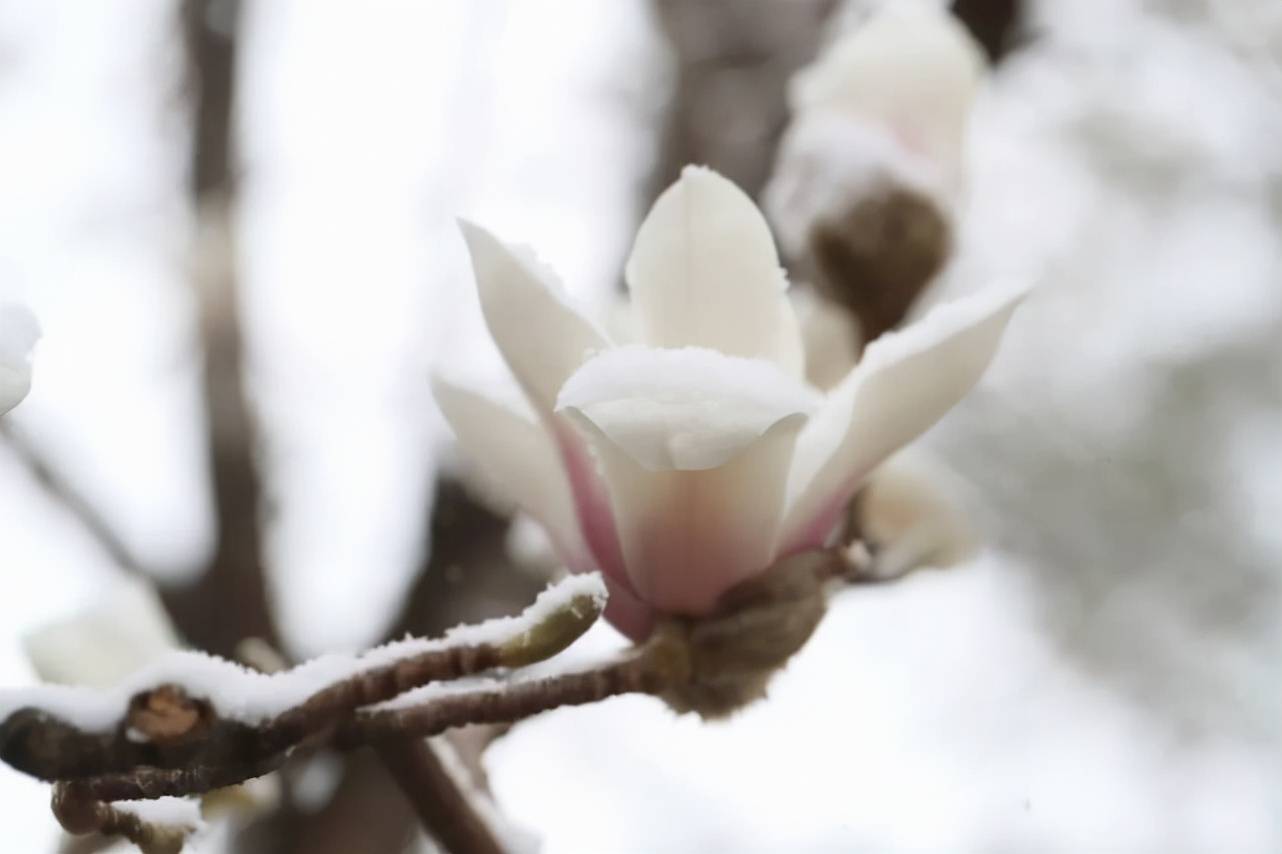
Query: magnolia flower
(127, 629)
(18, 334)
(888, 100)
(122, 632)
(692, 461)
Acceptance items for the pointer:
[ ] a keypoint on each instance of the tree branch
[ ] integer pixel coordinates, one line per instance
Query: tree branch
(81, 813)
(439, 800)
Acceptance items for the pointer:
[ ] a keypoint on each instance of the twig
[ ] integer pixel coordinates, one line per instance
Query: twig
(81, 813)
(643, 673)
(164, 729)
(61, 490)
(438, 799)
(169, 743)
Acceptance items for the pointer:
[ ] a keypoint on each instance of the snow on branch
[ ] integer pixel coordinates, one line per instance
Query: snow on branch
(192, 723)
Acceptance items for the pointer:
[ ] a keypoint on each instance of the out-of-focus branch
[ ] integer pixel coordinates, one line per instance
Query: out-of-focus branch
(467, 577)
(210, 30)
(734, 59)
(994, 24)
(69, 498)
(229, 601)
(440, 801)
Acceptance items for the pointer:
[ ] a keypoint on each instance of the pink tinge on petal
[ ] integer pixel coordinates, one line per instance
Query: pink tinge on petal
(596, 518)
(819, 529)
(627, 613)
(687, 559)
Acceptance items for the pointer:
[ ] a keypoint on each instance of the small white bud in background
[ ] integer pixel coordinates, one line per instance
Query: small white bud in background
(19, 332)
(102, 645)
(910, 516)
(869, 173)
(892, 96)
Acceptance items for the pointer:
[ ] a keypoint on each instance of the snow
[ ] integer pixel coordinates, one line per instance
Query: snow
(687, 408)
(172, 812)
(239, 694)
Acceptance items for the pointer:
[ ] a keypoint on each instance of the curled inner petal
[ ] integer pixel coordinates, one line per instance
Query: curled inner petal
(704, 272)
(695, 448)
(682, 409)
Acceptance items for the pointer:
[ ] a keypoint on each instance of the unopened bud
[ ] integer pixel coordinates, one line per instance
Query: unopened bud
(759, 625)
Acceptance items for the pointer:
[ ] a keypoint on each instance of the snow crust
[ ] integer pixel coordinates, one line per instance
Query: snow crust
(240, 694)
(173, 812)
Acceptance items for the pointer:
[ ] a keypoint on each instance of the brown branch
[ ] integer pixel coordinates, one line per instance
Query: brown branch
(439, 800)
(171, 744)
(733, 59)
(510, 702)
(229, 602)
(165, 729)
(81, 813)
(995, 24)
(468, 576)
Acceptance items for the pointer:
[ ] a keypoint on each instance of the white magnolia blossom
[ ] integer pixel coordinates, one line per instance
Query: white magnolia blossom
(18, 335)
(692, 459)
(831, 337)
(121, 633)
(889, 100)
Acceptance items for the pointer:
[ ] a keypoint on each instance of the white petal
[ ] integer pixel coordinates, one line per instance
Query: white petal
(904, 384)
(704, 272)
(18, 335)
(125, 631)
(518, 461)
(909, 512)
(688, 536)
(912, 69)
(831, 336)
(542, 337)
(686, 409)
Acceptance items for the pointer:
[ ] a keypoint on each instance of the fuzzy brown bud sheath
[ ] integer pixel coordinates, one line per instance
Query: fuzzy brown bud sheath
(878, 255)
(733, 653)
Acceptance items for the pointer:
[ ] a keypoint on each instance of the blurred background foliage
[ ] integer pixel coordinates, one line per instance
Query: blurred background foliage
(235, 220)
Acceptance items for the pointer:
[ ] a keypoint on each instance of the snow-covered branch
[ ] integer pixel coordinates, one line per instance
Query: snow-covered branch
(191, 723)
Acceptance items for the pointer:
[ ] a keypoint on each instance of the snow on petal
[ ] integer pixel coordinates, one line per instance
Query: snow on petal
(518, 461)
(688, 536)
(704, 272)
(19, 332)
(124, 631)
(912, 69)
(681, 409)
(542, 337)
(905, 383)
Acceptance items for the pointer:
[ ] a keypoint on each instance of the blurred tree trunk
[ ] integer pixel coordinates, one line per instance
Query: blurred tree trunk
(229, 601)
(733, 60)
